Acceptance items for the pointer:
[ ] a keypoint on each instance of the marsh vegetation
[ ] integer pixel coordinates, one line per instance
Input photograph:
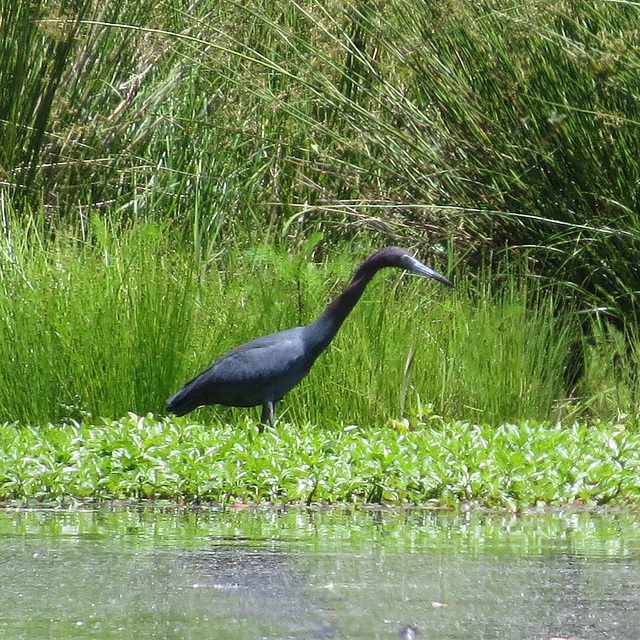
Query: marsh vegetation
(175, 180)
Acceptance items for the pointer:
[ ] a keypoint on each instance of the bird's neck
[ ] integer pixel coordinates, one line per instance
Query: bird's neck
(326, 326)
(341, 307)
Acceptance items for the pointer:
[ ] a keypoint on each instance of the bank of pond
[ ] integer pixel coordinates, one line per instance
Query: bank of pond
(431, 462)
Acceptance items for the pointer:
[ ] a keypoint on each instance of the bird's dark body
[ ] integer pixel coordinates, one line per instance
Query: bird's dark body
(262, 371)
(265, 368)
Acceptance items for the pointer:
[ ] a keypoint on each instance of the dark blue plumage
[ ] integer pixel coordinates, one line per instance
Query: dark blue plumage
(262, 371)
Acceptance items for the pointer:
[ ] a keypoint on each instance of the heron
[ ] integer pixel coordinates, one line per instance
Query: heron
(262, 371)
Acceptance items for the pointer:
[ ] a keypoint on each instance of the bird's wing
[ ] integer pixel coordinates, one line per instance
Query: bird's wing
(253, 373)
(268, 357)
(260, 371)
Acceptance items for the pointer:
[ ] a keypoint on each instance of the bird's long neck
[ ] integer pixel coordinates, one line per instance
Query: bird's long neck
(326, 326)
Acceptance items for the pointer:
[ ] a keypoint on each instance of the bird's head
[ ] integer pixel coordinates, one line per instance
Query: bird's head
(399, 257)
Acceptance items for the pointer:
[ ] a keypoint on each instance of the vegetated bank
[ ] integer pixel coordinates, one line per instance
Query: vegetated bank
(179, 172)
(486, 125)
(431, 462)
(103, 326)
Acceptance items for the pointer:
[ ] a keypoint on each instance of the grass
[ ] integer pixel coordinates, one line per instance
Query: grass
(176, 181)
(118, 321)
(86, 325)
(113, 324)
(488, 124)
(432, 462)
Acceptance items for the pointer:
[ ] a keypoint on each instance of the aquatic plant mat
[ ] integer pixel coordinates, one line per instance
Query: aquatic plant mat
(433, 462)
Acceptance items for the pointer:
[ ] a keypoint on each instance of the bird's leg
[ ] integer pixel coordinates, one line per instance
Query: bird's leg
(267, 415)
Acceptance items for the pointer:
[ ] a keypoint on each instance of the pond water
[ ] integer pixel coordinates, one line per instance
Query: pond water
(170, 573)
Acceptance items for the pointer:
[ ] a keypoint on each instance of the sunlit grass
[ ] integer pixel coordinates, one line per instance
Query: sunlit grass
(490, 123)
(119, 321)
(90, 327)
(175, 181)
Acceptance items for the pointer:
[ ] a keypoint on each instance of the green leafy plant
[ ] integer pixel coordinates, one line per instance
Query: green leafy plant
(516, 465)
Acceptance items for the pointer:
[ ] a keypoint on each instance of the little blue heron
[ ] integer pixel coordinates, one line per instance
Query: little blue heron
(262, 371)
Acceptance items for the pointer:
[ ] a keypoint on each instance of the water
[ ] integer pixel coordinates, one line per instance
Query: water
(235, 574)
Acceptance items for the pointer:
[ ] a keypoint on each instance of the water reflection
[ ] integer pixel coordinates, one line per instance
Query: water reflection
(171, 573)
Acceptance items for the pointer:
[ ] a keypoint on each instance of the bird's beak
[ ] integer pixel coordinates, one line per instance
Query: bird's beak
(417, 267)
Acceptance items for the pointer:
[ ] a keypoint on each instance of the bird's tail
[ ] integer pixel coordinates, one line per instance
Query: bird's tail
(183, 402)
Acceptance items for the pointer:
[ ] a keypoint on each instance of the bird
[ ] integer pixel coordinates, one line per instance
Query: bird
(262, 371)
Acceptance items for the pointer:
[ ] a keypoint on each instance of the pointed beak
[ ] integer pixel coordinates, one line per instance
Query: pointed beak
(417, 267)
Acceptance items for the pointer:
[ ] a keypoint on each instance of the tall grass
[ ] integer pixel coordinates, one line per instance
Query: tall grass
(494, 123)
(472, 126)
(119, 321)
(94, 327)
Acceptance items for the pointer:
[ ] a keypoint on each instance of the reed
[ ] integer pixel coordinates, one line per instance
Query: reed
(131, 130)
(90, 327)
(119, 321)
